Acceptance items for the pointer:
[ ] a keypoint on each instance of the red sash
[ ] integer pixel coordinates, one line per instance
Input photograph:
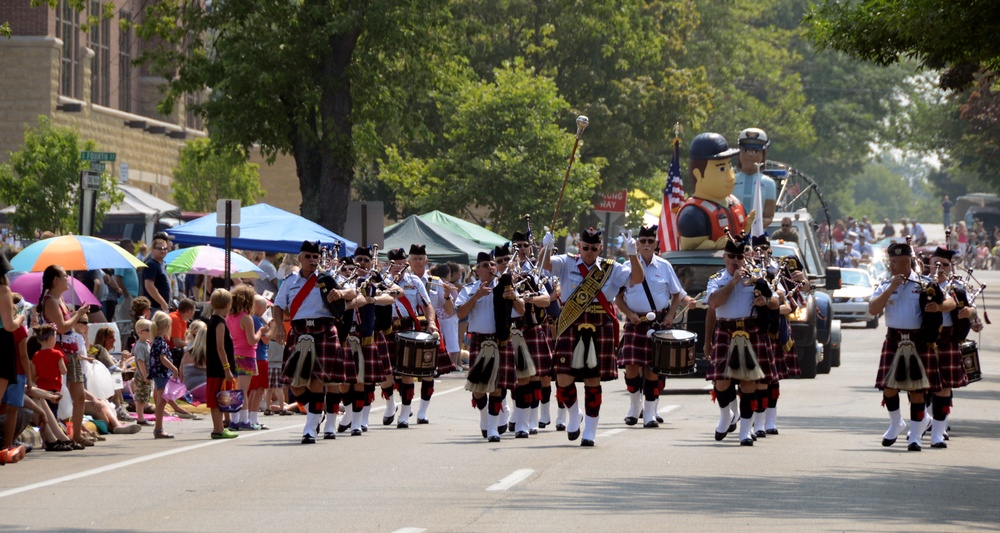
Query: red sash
(603, 300)
(409, 309)
(301, 296)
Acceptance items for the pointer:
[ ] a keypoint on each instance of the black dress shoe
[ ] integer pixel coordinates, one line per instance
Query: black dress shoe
(753, 437)
(772, 431)
(510, 426)
(542, 425)
(651, 424)
(494, 438)
(423, 421)
(521, 435)
(342, 429)
(746, 442)
(532, 432)
(573, 435)
(403, 424)
(888, 442)
(587, 442)
(308, 439)
(560, 427)
(631, 420)
(355, 432)
(914, 447)
(501, 429)
(720, 436)
(939, 445)
(760, 434)
(387, 420)
(364, 428)
(659, 419)
(329, 436)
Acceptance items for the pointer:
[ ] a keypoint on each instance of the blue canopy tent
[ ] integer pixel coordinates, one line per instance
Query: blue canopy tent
(263, 228)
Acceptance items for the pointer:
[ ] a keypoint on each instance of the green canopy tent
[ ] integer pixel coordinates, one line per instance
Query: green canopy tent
(464, 228)
(442, 245)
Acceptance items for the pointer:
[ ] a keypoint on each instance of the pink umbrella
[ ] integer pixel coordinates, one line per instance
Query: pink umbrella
(30, 287)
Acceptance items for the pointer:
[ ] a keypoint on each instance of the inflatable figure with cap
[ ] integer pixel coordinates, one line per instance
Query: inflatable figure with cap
(703, 218)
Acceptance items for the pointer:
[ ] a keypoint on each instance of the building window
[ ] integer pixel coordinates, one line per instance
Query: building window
(125, 62)
(194, 120)
(100, 43)
(67, 28)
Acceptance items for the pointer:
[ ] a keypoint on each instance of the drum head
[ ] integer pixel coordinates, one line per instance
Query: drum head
(674, 335)
(417, 336)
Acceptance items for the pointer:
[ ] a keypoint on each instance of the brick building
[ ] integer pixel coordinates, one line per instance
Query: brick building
(86, 80)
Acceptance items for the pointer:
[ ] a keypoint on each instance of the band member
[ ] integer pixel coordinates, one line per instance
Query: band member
(586, 331)
(790, 286)
(491, 362)
(954, 329)
(739, 351)
(647, 304)
(313, 353)
(907, 359)
(439, 298)
(533, 324)
(362, 346)
(412, 311)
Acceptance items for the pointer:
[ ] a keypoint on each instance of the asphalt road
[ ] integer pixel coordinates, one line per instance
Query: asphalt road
(826, 471)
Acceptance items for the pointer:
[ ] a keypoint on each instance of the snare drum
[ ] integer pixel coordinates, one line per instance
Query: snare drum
(970, 360)
(416, 354)
(673, 352)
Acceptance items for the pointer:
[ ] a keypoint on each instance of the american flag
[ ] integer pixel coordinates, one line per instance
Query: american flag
(673, 197)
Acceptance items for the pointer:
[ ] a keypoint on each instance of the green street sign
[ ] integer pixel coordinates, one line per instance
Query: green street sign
(97, 156)
(98, 167)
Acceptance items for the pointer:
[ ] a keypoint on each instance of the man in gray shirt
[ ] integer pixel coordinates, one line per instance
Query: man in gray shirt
(269, 280)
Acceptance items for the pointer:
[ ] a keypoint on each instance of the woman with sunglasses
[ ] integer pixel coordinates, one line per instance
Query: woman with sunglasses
(55, 282)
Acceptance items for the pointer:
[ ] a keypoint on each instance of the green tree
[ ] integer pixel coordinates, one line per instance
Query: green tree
(42, 181)
(506, 152)
(955, 37)
(207, 172)
(309, 78)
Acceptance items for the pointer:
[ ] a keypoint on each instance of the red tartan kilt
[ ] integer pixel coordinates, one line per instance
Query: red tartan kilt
(506, 373)
(950, 360)
(778, 362)
(720, 351)
(332, 366)
(375, 370)
(383, 354)
(607, 368)
(538, 344)
(889, 351)
(637, 346)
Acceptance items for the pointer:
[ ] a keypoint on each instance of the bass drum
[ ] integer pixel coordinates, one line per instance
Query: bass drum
(673, 352)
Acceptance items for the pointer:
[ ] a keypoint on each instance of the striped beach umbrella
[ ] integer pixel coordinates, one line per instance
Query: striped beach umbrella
(73, 252)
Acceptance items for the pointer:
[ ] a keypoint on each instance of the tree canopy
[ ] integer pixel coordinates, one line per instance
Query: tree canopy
(957, 38)
(42, 181)
(208, 171)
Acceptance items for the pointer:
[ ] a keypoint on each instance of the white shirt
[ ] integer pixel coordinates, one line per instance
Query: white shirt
(565, 268)
(312, 306)
(481, 319)
(902, 311)
(415, 292)
(740, 302)
(269, 281)
(663, 284)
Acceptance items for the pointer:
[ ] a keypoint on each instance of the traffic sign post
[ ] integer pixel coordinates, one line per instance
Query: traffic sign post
(90, 185)
(227, 213)
(611, 205)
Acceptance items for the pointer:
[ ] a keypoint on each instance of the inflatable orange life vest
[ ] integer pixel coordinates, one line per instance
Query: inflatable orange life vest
(720, 216)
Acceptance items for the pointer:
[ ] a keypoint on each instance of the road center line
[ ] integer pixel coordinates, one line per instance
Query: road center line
(668, 408)
(410, 530)
(511, 480)
(611, 432)
(159, 455)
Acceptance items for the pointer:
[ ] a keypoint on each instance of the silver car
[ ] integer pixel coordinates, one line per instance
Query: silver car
(850, 301)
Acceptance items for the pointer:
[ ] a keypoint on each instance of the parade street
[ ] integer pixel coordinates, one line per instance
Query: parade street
(825, 471)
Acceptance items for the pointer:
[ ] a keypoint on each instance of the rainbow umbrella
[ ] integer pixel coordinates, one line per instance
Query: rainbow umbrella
(73, 252)
(210, 261)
